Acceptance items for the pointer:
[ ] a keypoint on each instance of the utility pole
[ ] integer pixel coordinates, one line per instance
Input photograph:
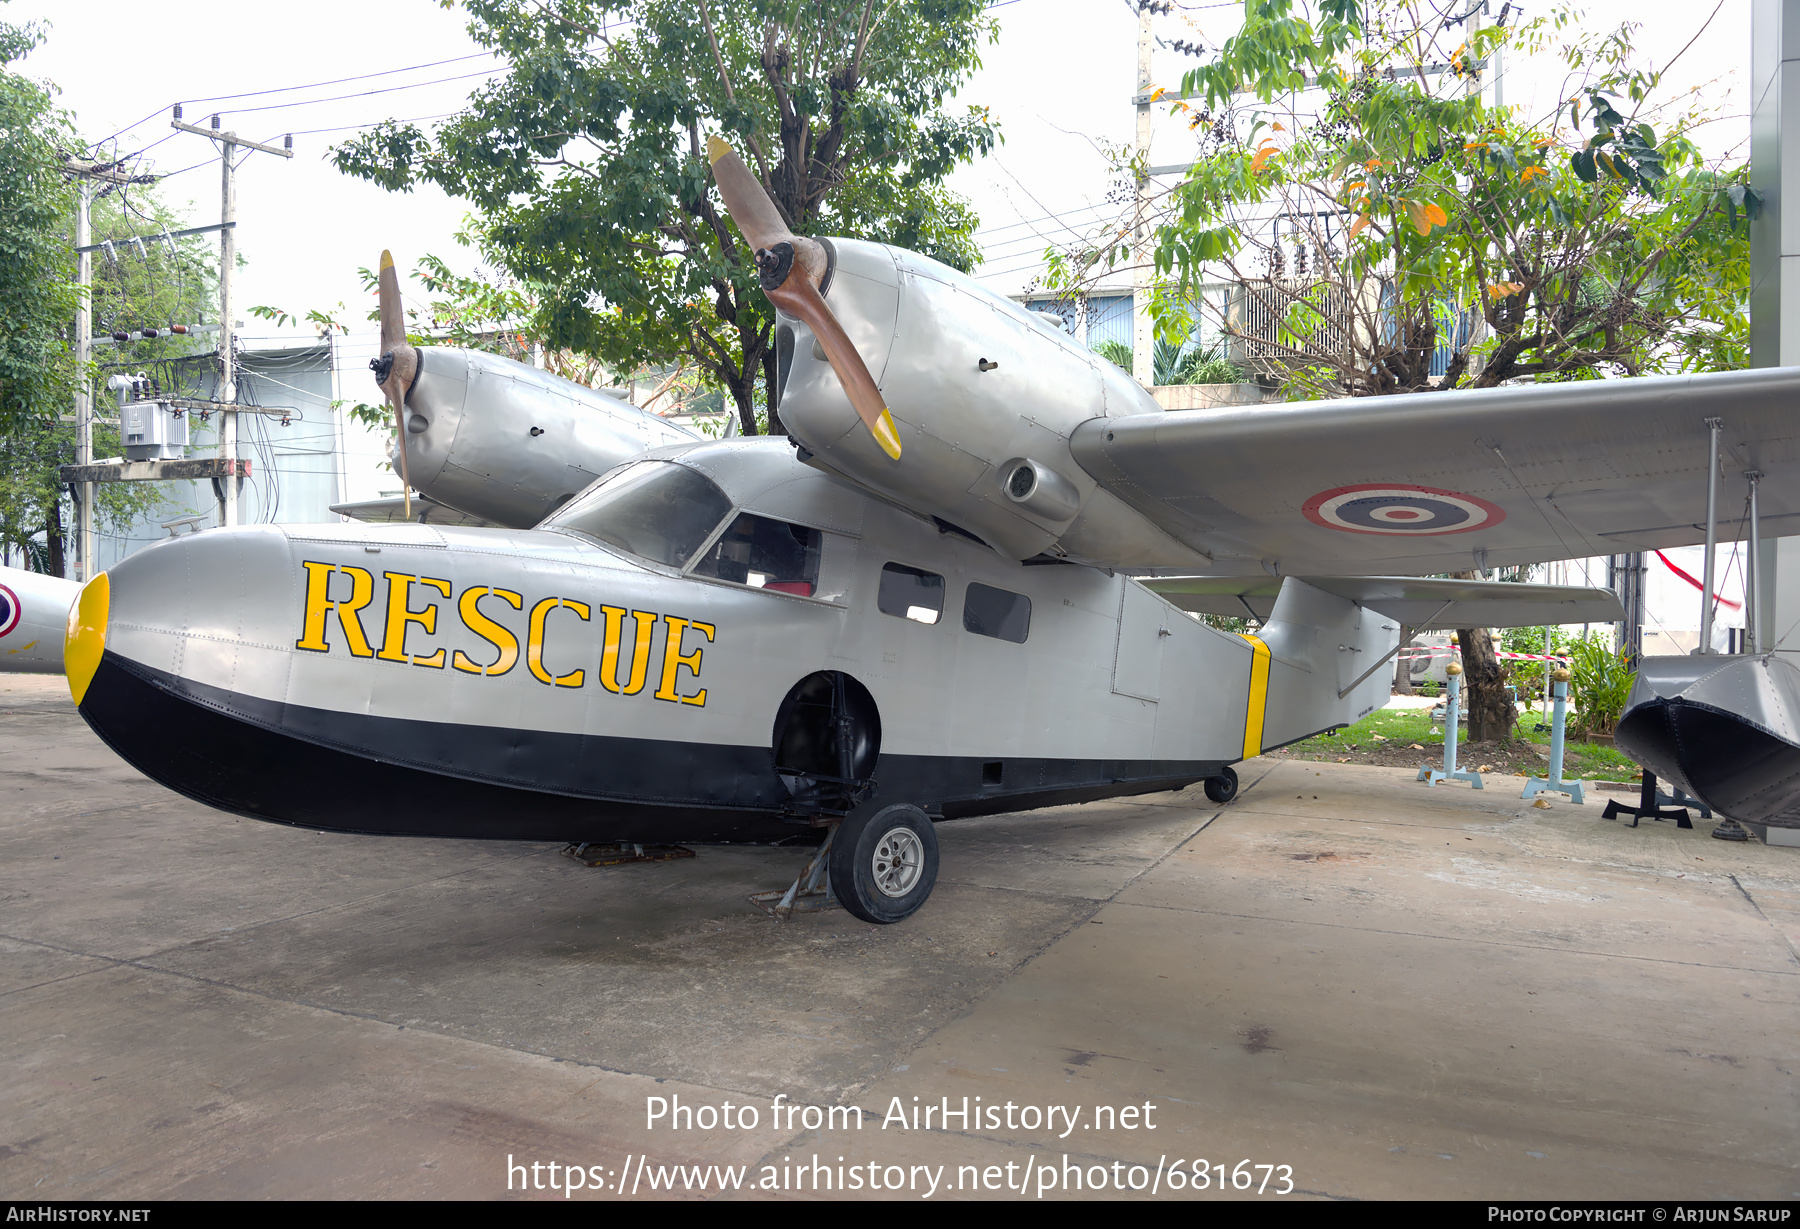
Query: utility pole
(1143, 358)
(85, 174)
(227, 393)
(84, 401)
(1625, 575)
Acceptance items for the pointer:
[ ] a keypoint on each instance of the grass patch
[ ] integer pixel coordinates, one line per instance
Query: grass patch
(1407, 737)
(1401, 725)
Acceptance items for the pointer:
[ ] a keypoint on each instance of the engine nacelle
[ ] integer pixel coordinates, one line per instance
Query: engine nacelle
(510, 443)
(984, 394)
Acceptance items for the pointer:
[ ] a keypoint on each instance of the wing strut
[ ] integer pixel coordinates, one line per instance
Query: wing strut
(1389, 655)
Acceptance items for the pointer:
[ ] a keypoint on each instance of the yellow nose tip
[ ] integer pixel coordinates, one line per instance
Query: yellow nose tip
(85, 639)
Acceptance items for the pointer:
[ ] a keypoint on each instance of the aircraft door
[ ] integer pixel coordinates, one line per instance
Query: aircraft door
(1137, 660)
(827, 739)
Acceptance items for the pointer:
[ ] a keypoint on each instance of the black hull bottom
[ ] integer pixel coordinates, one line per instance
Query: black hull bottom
(1734, 766)
(395, 777)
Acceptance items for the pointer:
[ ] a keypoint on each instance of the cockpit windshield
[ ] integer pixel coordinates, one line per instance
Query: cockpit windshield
(656, 510)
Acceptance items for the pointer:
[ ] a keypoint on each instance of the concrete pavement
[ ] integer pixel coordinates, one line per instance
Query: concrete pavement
(1392, 991)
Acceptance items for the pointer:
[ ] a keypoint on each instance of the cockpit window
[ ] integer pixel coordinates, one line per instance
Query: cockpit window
(765, 554)
(656, 510)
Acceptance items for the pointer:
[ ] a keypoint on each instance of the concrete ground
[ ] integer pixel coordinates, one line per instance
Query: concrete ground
(1392, 991)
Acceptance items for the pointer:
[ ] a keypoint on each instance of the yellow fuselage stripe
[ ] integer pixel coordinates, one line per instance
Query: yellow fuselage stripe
(1259, 697)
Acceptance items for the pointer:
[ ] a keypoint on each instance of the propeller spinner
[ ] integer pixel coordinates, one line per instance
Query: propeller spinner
(398, 364)
(779, 255)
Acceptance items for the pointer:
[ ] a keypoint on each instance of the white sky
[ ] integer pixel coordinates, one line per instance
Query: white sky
(1059, 80)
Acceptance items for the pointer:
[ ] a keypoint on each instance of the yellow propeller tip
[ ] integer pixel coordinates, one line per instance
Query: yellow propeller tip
(387, 260)
(716, 147)
(887, 435)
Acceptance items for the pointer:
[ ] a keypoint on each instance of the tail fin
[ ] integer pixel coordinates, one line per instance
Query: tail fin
(1316, 659)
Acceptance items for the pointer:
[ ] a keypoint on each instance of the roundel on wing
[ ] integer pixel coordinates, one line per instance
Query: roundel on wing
(1398, 508)
(9, 610)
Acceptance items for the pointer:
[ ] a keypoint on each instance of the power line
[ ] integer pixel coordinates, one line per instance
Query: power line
(417, 119)
(1048, 217)
(308, 102)
(387, 72)
(316, 85)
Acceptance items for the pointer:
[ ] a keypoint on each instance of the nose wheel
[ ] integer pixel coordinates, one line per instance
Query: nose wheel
(884, 863)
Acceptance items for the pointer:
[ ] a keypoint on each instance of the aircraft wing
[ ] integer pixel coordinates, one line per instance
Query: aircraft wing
(425, 512)
(1425, 482)
(1422, 604)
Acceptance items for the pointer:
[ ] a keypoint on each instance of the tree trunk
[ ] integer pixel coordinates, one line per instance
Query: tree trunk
(1491, 713)
(771, 391)
(53, 537)
(1403, 666)
(743, 394)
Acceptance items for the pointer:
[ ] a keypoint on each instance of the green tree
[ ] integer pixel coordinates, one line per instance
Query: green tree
(133, 288)
(587, 163)
(37, 269)
(1407, 237)
(1408, 225)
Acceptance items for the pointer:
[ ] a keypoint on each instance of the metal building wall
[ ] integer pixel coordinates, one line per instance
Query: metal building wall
(295, 468)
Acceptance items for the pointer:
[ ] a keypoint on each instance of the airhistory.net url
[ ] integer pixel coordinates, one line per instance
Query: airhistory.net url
(638, 1176)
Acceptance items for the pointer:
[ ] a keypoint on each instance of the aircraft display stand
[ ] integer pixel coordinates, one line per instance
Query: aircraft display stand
(1430, 775)
(1559, 689)
(1678, 797)
(811, 890)
(1646, 807)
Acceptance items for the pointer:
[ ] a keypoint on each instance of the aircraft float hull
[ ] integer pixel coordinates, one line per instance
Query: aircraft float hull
(246, 756)
(1721, 728)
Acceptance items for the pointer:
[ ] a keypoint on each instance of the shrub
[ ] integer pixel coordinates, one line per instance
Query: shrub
(1601, 685)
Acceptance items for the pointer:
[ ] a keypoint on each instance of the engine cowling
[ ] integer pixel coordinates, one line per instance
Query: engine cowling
(984, 394)
(509, 443)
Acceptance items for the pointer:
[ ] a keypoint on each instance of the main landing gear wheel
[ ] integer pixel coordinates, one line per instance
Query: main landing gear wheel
(885, 863)
(1222, 788)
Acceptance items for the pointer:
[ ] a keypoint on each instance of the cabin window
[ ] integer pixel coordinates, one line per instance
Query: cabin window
(655, 510)
(998, 613)
(765, 554)
(911, 593)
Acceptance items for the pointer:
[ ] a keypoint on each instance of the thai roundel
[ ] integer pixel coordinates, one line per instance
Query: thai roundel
(9, 610)
(1399, 508)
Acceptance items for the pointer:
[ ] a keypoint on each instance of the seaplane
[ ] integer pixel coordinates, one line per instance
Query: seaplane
(967, 582)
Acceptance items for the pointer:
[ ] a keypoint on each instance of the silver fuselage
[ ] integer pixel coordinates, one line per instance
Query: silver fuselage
(491, 682)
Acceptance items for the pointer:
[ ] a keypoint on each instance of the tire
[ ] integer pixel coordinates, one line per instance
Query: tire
(1222, 788)
(884, 863)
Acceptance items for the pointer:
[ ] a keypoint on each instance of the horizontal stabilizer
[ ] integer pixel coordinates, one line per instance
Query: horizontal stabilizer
(1416, 602)
(424, 511)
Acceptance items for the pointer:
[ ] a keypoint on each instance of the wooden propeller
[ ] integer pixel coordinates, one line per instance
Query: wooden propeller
(398, 364)
(791, 267)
